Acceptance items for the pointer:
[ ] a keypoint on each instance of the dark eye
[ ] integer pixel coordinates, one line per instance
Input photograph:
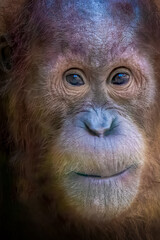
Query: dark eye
(120, 79)
(75, 79)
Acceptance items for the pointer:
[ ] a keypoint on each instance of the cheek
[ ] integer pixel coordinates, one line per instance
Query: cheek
(117, 159)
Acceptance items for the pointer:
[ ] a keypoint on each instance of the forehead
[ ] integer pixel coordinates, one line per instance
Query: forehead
(93, 8)
(95, 29)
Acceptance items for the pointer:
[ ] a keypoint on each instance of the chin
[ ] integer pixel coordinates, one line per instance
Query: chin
(102, 198)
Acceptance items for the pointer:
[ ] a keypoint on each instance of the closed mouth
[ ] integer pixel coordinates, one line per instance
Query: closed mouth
(102, 177)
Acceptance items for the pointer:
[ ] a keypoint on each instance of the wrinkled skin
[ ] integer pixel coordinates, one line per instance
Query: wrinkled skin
(80, 120)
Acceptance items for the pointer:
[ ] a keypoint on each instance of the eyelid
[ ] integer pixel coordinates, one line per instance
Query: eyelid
(74, 71)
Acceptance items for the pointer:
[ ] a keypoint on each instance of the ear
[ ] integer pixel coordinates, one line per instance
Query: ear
(5, 54)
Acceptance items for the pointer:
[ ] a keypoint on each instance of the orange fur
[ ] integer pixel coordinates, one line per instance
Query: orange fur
(30, 209)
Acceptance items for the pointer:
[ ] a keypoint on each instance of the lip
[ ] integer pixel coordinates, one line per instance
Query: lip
(84, 175)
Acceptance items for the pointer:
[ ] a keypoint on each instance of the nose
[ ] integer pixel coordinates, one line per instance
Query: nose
(98, 122)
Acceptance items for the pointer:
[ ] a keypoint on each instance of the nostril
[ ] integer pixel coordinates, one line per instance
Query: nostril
(90, 130)
(97, 131)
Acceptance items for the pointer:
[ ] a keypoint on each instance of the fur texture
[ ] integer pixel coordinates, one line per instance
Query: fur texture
(29, 209)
